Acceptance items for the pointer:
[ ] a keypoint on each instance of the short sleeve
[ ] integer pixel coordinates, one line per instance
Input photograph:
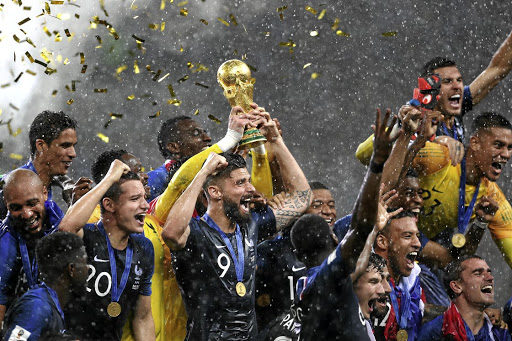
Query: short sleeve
(31, 314)
(9, 265)
(149, 256)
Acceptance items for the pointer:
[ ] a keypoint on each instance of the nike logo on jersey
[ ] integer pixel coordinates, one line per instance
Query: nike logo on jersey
(220, 246)
(249, 242)
(96, 259)
(297, 269)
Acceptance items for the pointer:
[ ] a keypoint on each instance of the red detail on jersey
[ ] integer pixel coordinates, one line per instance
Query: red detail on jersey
(453, 324)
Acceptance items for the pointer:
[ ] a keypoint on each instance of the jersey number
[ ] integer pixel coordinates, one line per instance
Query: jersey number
(224, 267)
(97, 281)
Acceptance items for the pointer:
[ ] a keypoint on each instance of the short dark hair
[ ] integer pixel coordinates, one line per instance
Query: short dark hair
(488, 120)
(47, 126)
(115, 190)
(317, 185)
(411, 173)
(169, 133)
(403, 214)
(235, 161)
(376, 262)
(56, 251)
(436, 63)
(453, 271)
(310, 236)
(102, 163)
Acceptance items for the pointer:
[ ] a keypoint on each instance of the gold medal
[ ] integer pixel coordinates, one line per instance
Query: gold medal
(240, 289)
(113, 309)
(458, 240)
(402, 335)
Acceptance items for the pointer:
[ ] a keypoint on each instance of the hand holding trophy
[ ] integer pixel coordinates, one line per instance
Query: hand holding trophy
(234, 76)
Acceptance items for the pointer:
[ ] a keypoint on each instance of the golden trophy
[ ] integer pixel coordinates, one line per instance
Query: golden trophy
(234, 76)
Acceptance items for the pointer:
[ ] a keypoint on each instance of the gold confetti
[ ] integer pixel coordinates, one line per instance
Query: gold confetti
(16, 39)
(204, 21)
(196, 112)
(114, 116)
(223, 21)
(343, 34)
(136, 67)
(313, 33)
(14, 107)
(311, 9)
(25, 8)
(162, 7)
(174, 101)
(5, 85)
(336, 24)
(67, 88)
(315, 75)
(77, 16)
(65, 62)
(233, 19)
(280, 9)
(24, 21)
(50, 71)
(54, 93)
(58, 38)
(29, 57)
(154, 26)
(113, 32)
(103, 137)
(130, 97)
(322, 14)
(47, 8)
(181, 49)
(184, 12)
(30, 72)
(181, 80)
(157, 74)
(47, 31)
(133, 7)
(40, 62)
(14, 133)
(57, 2)
(137, 38)
(16, 156)
(214, 119)
(30, 41)
(121, 69)
(67, 32)
(306, 65)
(390, 34)
(101, 91)
(171, 90)
(70, 101)
(73, 85)
(202, 85)
(84, 68)
(17, 78)
(82, 58)
(157, 113)
(98, 38)
(162, 26)
(183, 3)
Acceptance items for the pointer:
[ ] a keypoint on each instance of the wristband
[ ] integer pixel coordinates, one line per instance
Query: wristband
(376, 168)
(480, 224)
(229, 141)
(260, 149)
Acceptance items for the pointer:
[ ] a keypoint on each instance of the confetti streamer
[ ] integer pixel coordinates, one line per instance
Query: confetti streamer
(47, 8)
(183, 3)
(82, 58)
(171, 90)
(157, 113)
(30, 72)
(114, 116)
(390, 34)
(311, 10)
(58, 38)
(313, 33)
(5, 85)
(131, 97)
(162, 26)
(306, 65)
(121, 69)
(29, 57)
(66, 31)
(214, 119)
(196, 112)
(336, 24)
(164, 77)
(50, 71)
(184, 12)
(322, 14)
(203, 21)
(40, 62)
(84, 68)
(54, 93)
(73, 86)
(24, 21)
(14, 107)
(157, 74)
(101, 91)
(223, 21)
(103, 137)
(16, 39)
(16, 156)
(233, 19)
(57, 2)
(181, 80)
(138, 39)
(136, 67)
(70, 101)
(202, 85)
(174, 101)
(154, 26)
(343, 34)
(47, 31)
(315, 75)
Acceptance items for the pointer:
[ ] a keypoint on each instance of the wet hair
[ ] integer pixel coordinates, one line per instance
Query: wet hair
(47, 126)
(436, 63)
(235, 161)
(489, 120)
(310, 236)
(453, 271)
(317, 185)
(376, 262)
(102, 163)
(55, 252)
(403, 214)
(169, 133)
(115, 191)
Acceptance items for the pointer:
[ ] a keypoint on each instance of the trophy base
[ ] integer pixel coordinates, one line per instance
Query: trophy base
(251, 138)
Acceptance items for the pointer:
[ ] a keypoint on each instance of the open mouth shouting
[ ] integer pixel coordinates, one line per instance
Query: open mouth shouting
(488, 290)
(455, 101)
(498, 166)
(410, 258)
(244, 204)
(140, 218)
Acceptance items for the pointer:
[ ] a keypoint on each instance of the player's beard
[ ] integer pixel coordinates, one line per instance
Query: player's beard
(232, 211)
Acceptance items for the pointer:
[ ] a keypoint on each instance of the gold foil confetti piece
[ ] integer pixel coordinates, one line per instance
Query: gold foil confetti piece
(190, 65)
(183, 3)
(102, 5)
(66, 61)
(343, 34)
(184, 12)
(155, 115)
(313, 33)
(223, 21)
(67, 32)
(154, 26)
(121, 69)
(17, 78)
(281, 16)
(5, 85)
(67, 88)
(15, 133)
(214, 119)
(77, 15)
(311, 9)
(50, 71)
(148, 67)
(58, 38)
(280, 9)
(54, 93)
(113, 32)
(84, 68)
(73, 86)
(40, 62)
(137, 38)
(30, 42)
(174, 101)
(162, 26)
(16, 156)
(203, 21)
(15, 56)
(24, 21)
(202, 85)
(114, 116)
(164, 77)
(70, 101)
(103, 137)
(27, 8)
(390, 34)
(157, 74)
(181, 80)
(82, 58)
(336, 24)
(98, 38)
(315, 75)
(101, 91)
(29, 57)
(107, 123)
(47, 8)
(233, 19)
(131, 97)
(171, 90)
(25, 33)
(162, 7)
(133, 7)
(30, 72)
(14, 107)
(1, 143)
(57, 2)
(181, 49)
(322, 14)
(47, 31)
(16, 39)
(196, 112)
(306, 65)
(136, 67)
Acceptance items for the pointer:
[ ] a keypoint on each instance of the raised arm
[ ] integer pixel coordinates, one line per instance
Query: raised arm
(80, 212)
(499, 67)
(364, 215)
(176, 229)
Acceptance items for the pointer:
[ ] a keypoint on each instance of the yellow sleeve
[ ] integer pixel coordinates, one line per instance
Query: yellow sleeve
(96, 215)
(501, 225)
(261, 175)
(431, 158)
(505, 247)
(364, 151)
(180, 182)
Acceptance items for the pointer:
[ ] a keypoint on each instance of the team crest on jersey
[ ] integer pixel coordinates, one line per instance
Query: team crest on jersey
(138, 273)
(19, 333)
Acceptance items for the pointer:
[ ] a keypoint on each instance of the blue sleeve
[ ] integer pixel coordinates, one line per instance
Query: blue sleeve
(334, 268)
(507, 312)
(9, 265)
(341, 227)
(265, 222)
(149, 252)
(467, 101)
(156, 181)
(32, 314)
(431, 330)
(423, 240)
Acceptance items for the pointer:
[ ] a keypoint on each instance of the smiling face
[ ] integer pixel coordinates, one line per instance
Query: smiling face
(236, 193)
(476, 284)
(59, 155)
(491, 149)
(130, 209)
(452, 88)
(409, 196)
(371, 289)
(403, 246)
(323, 205)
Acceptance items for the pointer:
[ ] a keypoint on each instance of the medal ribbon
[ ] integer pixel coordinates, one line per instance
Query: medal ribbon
(117, 290)
(30, 269)
(55, 300)
(404, 313)
(447, 133)
(464, 215)
(240, 262)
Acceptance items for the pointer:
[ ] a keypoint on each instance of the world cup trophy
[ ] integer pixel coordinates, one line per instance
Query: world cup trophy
(234, 76)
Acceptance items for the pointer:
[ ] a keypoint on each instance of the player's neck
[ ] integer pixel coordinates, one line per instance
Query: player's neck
(449, 121)
(473, 173)
(473, 316)
(43, 170)
(222, 221)
(118, 238)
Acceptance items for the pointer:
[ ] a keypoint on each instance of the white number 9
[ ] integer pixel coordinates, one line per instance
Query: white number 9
(224, 267)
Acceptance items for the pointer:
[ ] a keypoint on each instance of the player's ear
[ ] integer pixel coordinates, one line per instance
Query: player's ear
(71, 269)
(45, 193)
(173, 147)
(108, 204)
(214, 192)
(456, 287)
(474, 143)
(381, 242)
(41, 146)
